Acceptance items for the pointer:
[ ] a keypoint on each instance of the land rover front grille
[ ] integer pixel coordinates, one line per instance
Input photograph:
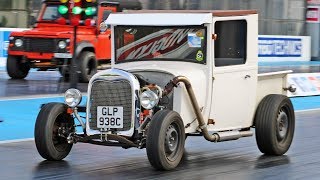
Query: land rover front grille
(44, 45)
(111, 93)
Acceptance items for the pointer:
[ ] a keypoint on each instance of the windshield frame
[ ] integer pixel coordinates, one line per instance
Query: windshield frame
(204, 61)
(45, 7)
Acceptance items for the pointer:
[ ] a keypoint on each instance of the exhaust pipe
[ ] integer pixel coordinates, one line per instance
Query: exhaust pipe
(216, 137)
(232, 135)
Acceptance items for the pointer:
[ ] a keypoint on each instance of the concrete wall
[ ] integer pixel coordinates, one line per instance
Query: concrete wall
(281, 17)
(14, 14)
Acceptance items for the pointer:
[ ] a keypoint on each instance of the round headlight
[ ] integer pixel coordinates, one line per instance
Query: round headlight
(18, 42)
(62, 44)
(72, 97)
(148, 99)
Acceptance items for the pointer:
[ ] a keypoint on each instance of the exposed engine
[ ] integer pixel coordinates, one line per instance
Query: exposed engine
(152, 98)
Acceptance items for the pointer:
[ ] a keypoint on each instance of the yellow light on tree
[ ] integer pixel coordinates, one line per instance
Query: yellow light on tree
(63, 1)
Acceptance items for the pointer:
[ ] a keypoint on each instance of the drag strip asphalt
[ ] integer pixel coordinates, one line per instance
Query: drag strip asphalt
(240, 160)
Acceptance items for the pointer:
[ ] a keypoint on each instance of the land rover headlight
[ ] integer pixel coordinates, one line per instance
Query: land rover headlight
(62, 44)
(18, 42)
(72, 97)
(148, 99)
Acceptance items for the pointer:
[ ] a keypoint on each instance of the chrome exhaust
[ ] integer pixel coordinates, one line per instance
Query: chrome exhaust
(232, 135)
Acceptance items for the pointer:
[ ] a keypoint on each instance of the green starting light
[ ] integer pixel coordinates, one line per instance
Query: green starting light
(90, 11)
(62, 9)
(77, 10)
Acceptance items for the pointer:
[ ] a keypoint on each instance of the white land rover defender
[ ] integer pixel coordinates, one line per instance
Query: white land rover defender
(175, 74)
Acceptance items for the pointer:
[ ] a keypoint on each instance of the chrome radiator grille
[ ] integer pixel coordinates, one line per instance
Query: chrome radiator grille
(111, 93)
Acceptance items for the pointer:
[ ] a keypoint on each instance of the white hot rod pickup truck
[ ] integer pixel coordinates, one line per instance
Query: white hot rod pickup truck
(174, 74)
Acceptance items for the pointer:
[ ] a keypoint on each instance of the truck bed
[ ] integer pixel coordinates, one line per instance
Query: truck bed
(272, 83)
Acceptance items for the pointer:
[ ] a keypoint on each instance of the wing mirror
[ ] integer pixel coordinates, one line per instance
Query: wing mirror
(104, 26)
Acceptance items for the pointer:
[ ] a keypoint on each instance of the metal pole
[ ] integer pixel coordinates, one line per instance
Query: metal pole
(73, 70)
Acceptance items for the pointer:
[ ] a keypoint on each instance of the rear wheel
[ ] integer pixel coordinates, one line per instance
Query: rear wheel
(16, 69)
(274, 123)
(52, 121)
(87, 66)
(165, 140)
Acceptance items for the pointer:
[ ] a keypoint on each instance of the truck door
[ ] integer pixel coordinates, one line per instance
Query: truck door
(234, 73)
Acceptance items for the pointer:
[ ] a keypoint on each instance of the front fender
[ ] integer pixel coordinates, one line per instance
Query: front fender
(81, 46)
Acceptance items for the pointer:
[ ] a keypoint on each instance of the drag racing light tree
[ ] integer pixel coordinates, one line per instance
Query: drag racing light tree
(73, 9)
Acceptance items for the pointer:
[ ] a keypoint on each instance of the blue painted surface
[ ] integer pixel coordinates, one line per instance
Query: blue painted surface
(5, 43)
(304, 103)
(19, 116)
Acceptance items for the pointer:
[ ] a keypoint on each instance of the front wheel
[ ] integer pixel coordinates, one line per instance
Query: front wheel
(274, 123)
(17, 69)
(52, 121)
(165, 140)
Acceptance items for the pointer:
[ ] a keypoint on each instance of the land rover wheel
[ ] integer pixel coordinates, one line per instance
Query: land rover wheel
(17, 69)
(87, 66)
(165, 140)
(52, 126)
(274, 123)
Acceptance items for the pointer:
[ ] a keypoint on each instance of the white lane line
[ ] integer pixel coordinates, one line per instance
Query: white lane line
(16, 140)
(307, 110)
(46, 96)
(29, 97)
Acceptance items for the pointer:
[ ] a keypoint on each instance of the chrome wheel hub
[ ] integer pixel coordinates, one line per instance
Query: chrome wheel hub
(282, 125)
(171, 141)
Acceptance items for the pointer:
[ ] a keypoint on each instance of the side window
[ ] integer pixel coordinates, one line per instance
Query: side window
(231, 44)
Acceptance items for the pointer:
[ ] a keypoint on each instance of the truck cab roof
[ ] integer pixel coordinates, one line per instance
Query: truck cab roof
(172, 17)
(213, 12)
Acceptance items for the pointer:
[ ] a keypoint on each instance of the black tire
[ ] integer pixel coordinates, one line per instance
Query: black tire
(87, 66)
(163, 152)
(49, 145)
(16, 69)
(275, 124)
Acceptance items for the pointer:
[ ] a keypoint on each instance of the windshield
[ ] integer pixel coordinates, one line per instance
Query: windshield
(142, 43)
(51, 13)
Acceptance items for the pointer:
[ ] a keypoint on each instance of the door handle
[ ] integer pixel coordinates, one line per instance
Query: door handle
(247, 76)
